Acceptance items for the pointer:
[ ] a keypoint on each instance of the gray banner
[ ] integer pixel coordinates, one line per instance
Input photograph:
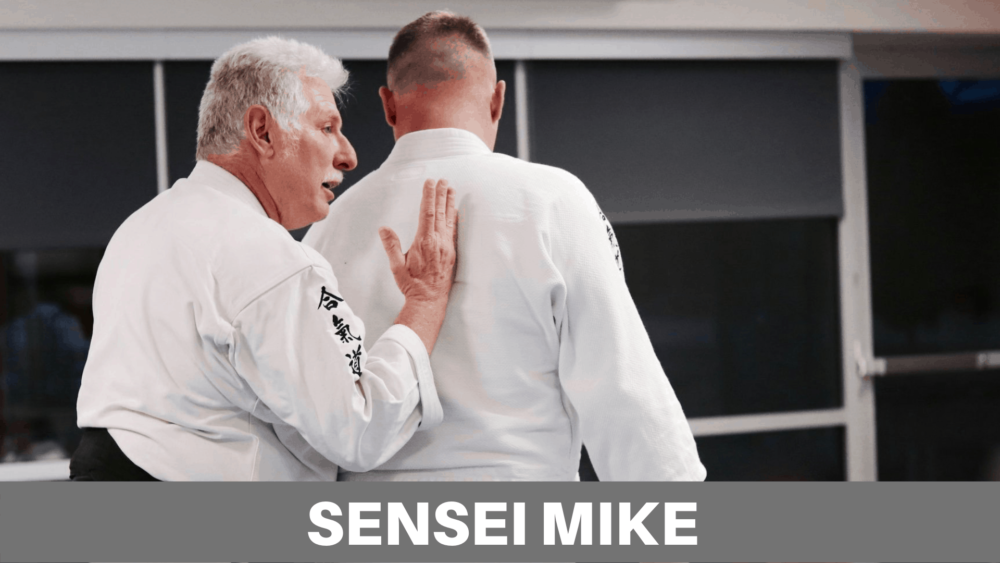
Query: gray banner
(275, 521)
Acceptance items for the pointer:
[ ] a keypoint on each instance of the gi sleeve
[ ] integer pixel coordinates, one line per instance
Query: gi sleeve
(631, 422)
(299, 348)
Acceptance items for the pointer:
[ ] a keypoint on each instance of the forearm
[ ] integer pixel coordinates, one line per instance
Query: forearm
(392, 408)
(424, 318)
(310, 371)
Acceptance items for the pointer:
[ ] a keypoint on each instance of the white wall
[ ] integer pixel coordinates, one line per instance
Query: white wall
(890, 37)
(938, 16)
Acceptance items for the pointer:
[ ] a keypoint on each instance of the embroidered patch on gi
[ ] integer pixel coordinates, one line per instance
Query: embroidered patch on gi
(613, 240)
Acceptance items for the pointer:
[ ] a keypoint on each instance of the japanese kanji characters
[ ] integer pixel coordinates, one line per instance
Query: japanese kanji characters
(328, 300)
(344, 330)
(355, 361)
(612, 239)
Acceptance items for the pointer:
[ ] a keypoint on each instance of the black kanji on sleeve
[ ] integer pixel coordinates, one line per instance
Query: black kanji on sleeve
(344, 330)
(613, 240)
(328, 300)
(355, 360)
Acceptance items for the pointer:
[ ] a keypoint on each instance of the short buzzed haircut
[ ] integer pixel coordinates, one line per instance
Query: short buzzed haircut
(404, 72)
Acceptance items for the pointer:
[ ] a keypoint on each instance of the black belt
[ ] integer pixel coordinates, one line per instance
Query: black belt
(98, 458)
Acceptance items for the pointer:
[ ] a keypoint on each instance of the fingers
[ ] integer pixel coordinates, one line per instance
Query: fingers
(451, 219)
(454, 244)
(425, 223)
(390, 242)
(440, 208)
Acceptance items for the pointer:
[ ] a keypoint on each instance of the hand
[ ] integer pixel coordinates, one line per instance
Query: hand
(425, 273)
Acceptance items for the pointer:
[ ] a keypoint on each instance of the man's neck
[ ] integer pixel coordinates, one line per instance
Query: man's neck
(248, 172)
(423, 121)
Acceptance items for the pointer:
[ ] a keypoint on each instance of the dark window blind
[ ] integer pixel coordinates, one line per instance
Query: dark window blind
(816, 454)
(743, 315)
(79, 151)
(691, 140)
(933, 158)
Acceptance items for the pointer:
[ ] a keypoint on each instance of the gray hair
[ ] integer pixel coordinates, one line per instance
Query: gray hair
(260, 72)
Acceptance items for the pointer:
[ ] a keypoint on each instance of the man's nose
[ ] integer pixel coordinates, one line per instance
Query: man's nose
(345, 158)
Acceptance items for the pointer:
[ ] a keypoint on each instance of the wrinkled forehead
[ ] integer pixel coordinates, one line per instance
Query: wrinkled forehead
(319, 94)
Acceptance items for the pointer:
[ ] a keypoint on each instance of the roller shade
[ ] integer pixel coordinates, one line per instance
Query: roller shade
(693, 140)
(78, 150)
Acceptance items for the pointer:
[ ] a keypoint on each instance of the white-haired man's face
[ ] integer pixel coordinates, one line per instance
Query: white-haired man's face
(310, 159)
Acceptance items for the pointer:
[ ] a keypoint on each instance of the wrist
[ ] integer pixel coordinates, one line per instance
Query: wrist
(424, 317)
(426, 303)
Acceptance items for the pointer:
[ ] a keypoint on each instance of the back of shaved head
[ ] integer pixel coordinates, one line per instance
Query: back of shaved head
(434, 48)
(441, 75)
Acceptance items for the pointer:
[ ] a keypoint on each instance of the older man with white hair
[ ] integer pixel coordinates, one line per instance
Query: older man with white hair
(222, 348)
(542, 348)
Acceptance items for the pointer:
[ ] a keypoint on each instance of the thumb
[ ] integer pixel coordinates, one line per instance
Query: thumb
(390, 242)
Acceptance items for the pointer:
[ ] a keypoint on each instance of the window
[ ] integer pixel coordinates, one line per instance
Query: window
(939, 427)
(45, 327)
(743, 315)
(79, 151)
(723, 181)
(794, 455)
(75, 167)
(934, 212)
(693, 140)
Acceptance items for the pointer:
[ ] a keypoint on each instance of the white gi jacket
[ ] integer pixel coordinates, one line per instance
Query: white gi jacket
(223, 350)
(542, 347)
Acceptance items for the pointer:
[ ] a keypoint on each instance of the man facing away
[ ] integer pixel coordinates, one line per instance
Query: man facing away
(542, 347)
(222, 347)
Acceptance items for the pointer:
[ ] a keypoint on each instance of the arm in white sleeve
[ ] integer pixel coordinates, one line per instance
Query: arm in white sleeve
(299, 347)
(631, 422)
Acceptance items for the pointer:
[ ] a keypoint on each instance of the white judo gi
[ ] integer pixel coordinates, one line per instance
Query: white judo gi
(542, 348)
(223, 349)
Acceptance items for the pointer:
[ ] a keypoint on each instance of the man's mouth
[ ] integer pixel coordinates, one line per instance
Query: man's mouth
(332, 182)
(329, 185)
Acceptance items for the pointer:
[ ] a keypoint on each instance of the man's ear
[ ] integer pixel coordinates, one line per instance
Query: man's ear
(496, 102)
(389, 105)
(258, 125)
